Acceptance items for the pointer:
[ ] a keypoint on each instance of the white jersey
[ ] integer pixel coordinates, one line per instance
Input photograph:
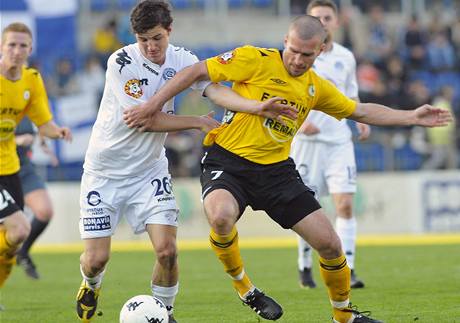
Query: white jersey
(115, 150)
(338, 66)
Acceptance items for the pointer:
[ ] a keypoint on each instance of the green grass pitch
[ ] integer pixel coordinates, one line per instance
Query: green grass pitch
(403, 284)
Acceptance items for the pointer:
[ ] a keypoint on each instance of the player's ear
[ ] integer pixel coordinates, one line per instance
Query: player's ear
(285, 41)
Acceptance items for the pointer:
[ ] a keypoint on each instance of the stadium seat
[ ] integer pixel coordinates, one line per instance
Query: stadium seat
(407, 159)
(99, 5)
(235, 4)
(181, 4)
(261, 3)
(370, 157)
(126, 4)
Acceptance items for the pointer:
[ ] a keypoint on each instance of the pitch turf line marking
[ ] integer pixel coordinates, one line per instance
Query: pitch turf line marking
(261, 243)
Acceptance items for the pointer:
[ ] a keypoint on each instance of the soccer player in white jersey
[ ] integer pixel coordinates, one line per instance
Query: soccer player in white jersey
(323, 149)
(125, 170)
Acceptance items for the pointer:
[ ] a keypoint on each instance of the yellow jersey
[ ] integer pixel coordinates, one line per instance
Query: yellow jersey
(259, 74)
(26, 96)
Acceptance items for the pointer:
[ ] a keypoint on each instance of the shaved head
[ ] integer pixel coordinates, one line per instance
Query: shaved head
(306, 27)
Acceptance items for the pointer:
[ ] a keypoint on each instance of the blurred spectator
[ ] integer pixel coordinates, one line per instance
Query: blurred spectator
(443, 152)
(395, 76)
(105, 41)
(62, 82)
(414, 43)
(367, 75)
(379, 43)
(441, 55)
(91, 79)
(417, 94)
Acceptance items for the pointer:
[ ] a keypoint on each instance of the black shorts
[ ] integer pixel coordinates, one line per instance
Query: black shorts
(30, 180)
(11, 198)
(275, 188)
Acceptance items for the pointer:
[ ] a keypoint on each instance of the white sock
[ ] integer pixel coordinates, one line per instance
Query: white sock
(93, 282)
(304, 257)
(346, 229)
(166, 294)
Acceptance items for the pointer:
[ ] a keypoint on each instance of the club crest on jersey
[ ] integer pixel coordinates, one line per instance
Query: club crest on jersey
(93, 198)
(133, 88)
(26, 95)
(311, 90)
(226, 58)
(168, 73)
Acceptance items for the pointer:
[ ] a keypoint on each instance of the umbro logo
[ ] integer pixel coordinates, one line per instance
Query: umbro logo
(278, 81)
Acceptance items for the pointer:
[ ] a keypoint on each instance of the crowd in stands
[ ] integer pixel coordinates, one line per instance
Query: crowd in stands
(402, 66)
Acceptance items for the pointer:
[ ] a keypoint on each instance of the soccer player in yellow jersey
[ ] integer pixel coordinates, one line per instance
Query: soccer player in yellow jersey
(248, 161)
(21, 93)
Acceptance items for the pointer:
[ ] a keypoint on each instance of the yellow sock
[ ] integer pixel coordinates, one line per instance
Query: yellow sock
(336, 275)
(6, 248)
(227, 250)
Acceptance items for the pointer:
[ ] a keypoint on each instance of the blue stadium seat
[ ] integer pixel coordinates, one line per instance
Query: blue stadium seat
(181, 4)
(126, 4)
(407, 159)
(235, 4)
(369, 157)
(262, 3)
(99, 5)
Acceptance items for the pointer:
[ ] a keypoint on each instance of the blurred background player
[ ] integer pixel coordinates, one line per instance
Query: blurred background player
(36, 196)
(323, 148)
(23, 93)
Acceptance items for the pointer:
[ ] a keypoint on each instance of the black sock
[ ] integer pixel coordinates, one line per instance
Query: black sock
(37, 228)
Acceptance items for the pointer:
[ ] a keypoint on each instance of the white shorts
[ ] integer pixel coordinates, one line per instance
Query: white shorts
(144, 199)
(324, 167)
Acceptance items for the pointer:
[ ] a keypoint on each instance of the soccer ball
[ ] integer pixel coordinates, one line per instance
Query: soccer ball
(144, 309)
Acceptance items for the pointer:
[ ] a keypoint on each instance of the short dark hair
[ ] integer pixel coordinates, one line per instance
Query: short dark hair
(322, 3)
(307, 27)
(148, 14)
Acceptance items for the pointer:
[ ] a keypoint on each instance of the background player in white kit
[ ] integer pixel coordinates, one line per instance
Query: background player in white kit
(323, 148)
(126, 171)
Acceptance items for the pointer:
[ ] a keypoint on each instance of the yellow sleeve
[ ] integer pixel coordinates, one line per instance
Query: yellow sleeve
(38, 109)
(331, 101)
(237, 65)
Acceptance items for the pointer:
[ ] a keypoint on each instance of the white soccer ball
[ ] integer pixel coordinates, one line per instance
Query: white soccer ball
(144, 309)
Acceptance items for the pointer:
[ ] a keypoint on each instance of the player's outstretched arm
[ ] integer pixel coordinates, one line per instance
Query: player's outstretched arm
(163, 122)
(272, 108)
(380, 115)
(53, 131)
(137, 116)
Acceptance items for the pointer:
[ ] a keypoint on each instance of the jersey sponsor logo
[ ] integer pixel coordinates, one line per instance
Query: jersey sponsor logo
(93, 198)
(7, 127)
(278, 81)
(26, 95)
(281, 132)
(123, 59)
(226, 58)
(133, 88)
(168, 73)
(228, 116)
(97, 223)
(148, 68)
(5, 199)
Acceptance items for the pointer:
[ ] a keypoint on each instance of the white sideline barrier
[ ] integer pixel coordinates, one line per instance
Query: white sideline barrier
(386, 203)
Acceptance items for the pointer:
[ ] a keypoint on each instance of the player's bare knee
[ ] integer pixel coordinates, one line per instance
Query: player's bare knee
(330, 248)
(94, 262)
(167, 256)
(19, 233)
(221, 223)
(44, 213)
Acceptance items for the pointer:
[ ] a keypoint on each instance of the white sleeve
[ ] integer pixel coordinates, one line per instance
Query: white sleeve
(351, 87)
(190, 59)
(123, 81)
